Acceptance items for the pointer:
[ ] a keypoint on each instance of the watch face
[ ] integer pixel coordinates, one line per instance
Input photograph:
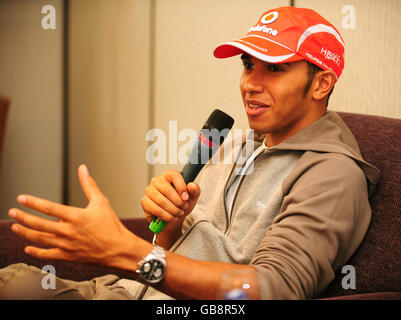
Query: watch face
(152, 271)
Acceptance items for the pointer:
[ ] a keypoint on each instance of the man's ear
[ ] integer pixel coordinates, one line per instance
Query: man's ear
(323, 84)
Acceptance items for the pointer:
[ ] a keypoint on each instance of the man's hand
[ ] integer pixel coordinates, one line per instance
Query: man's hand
(170, 199)
(95, 234)
(92, 234)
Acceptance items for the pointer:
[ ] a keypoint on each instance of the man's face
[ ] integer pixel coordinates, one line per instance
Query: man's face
(274, 97)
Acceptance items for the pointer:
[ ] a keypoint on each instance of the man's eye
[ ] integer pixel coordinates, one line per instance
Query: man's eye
(274, 68)
(248, 66)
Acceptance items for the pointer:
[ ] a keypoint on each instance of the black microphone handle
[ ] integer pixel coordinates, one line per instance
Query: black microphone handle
(216, 127)
(199, 156)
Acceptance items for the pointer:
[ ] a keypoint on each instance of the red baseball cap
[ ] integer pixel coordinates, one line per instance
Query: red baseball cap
(289, 34)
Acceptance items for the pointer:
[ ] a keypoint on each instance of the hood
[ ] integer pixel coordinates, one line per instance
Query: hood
(331, 134)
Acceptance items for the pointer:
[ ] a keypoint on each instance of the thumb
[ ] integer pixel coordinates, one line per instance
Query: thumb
(194, 193)
(88, 184)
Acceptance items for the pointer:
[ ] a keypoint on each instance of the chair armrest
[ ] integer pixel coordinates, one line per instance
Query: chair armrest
(12, 251)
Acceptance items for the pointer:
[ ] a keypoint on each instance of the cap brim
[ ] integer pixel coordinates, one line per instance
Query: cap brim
(258, 47)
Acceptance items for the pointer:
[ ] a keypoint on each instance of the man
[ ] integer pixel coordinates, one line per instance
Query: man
(293, 221)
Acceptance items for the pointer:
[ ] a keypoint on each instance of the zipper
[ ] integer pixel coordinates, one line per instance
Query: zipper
(230, 215)
(225, 191)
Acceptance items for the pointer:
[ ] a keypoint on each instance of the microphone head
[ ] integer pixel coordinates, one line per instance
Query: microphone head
(218, 120)
(217, 126)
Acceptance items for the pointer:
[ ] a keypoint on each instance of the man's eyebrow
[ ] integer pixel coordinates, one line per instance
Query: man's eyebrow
(245, 56)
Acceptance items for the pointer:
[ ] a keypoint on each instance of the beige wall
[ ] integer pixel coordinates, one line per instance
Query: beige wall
(109, 99)
(371, 80)
(115, 98)
(135, 65)
(31, 75)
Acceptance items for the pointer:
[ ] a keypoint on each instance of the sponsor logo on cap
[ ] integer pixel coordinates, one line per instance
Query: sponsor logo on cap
(312, 57)
(266, 19)
(263, 28)
(331, 56)
(269, 17)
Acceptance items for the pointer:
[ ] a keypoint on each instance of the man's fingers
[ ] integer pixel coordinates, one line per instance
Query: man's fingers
(194, 190)
(194, 193)
(163, 186)
(88, 184)
(162, 201)
(47, 207)
(35, 222)
(155, 210)
(176, 179)
(39, 237)
(52, 253)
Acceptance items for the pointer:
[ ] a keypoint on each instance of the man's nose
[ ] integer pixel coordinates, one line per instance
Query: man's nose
(254, 82)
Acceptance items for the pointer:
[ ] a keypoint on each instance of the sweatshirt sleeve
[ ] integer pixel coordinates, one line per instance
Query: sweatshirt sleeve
(323, 219)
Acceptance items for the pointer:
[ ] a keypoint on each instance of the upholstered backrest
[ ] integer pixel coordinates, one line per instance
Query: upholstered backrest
(377, 262)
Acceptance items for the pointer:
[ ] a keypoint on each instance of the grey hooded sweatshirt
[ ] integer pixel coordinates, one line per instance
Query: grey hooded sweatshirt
(297, 217)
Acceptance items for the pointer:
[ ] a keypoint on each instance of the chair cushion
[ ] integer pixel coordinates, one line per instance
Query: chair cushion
(377, 261)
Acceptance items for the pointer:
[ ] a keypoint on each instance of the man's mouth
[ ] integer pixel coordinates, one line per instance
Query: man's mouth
(255, 108)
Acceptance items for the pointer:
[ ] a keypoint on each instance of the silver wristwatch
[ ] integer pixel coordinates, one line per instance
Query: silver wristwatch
(152, 267)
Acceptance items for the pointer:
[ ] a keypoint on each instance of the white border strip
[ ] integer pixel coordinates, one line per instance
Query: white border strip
(316, 29)
(275, 42)
(260, 56)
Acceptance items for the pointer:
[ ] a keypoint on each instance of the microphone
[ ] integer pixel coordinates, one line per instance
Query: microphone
(210, 138)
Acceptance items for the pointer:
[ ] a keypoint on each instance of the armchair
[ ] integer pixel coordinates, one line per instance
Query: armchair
(377, 261)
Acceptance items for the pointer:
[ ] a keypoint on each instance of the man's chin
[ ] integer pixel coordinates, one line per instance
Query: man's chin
(257, 128)
(259, 134)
